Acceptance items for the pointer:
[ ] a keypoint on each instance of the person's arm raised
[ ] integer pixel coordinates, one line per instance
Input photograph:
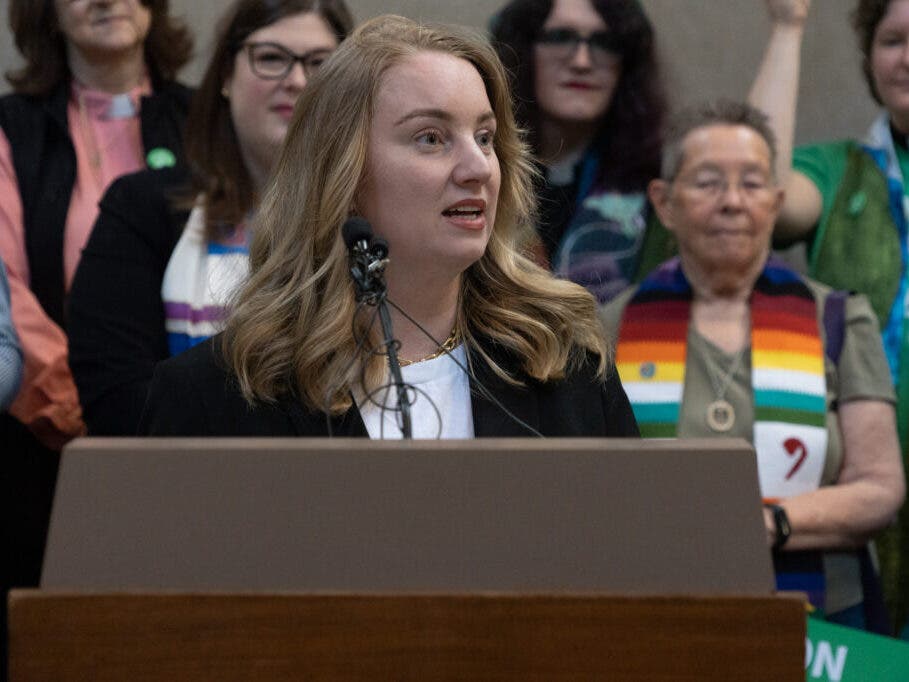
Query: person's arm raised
(775, 92)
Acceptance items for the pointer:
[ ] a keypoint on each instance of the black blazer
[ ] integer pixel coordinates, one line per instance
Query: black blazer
(194, 394)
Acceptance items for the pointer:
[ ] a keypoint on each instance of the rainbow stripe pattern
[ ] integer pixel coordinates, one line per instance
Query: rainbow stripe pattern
(787, 360)
(650, 356)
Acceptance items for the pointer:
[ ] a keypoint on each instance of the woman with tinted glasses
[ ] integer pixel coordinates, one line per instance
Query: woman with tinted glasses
(589, 92)
(164, 259)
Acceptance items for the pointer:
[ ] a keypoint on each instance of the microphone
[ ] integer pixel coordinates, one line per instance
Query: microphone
(357, 233)
(368, 257)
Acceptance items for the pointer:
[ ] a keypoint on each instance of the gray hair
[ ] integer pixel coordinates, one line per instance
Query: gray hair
(718, 112)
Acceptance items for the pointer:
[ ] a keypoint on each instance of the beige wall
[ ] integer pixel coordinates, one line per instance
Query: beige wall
(709, 48)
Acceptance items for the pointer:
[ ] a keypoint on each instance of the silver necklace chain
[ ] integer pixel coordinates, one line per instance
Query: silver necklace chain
(721, 382)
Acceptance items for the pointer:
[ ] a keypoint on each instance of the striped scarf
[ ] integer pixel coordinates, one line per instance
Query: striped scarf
(200, 278)
(787, 376)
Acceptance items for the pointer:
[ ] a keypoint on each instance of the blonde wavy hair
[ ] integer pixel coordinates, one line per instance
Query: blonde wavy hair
(293, 328)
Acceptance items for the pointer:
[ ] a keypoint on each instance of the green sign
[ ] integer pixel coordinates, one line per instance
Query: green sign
(837, 654)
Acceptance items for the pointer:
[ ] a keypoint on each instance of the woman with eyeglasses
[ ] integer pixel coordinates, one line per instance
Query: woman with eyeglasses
(727, 341)
(588, 91)
(164, 259)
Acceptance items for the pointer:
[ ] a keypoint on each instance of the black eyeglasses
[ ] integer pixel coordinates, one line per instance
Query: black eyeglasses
(563, 43)
(272, 61)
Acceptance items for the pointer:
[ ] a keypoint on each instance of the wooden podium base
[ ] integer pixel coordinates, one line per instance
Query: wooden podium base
(178, 636)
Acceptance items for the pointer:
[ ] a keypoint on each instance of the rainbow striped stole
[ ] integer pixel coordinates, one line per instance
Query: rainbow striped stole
(786, 352)
(650, 356)
(787, 377)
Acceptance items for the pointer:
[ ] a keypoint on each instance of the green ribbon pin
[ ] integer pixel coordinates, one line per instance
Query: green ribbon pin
(160, 157)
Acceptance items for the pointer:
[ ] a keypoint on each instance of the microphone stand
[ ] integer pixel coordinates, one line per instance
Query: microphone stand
(368, 260)
(394, 367)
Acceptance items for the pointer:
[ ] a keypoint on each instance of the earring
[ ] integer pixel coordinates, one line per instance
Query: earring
(224, 93)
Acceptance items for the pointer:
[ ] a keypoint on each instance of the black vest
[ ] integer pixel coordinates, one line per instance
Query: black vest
(44, 160)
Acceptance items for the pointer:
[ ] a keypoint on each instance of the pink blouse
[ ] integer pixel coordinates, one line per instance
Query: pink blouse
(106, 133)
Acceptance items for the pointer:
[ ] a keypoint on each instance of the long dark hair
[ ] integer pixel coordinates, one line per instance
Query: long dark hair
(168, 46)
(212, 149)
(629, 136)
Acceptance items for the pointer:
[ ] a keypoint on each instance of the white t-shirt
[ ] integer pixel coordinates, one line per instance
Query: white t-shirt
(440, 407)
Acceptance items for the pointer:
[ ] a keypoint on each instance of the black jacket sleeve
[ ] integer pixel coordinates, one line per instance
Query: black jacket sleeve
(176, 401)
(620, 421)
(116, 315)
(195, 394)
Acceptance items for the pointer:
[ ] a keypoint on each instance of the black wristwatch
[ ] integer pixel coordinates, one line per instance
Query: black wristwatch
(781, 521)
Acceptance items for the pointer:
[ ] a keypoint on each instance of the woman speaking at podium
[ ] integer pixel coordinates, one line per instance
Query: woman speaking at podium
(409, 127)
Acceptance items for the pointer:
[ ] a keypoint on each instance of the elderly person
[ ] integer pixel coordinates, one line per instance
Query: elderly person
(409, 126)
(726, 341)
(164, 258)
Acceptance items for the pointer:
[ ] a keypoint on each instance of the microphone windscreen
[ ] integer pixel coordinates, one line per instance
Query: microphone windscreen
(379, 248)
(356, 229)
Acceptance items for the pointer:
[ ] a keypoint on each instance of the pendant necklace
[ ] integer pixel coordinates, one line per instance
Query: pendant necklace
(720, 413)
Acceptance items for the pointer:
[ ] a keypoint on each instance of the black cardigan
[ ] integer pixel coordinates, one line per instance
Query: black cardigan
(194, 394)
(45, 163)
(116, 315)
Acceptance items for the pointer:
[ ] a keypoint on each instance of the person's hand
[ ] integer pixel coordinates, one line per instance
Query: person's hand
(788, 12)
(58, 424)
(769, 526)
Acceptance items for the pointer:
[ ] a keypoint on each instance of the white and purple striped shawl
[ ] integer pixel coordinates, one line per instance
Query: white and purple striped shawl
(200, 278)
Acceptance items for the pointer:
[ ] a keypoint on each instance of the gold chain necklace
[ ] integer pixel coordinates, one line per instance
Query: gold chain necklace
(445, 347)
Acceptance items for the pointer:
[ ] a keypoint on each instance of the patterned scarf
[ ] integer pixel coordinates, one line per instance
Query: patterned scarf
(787, 378)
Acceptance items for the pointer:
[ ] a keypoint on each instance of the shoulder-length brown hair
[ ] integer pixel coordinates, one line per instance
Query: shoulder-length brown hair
(293, 329)
(168, 46)
(219, 174)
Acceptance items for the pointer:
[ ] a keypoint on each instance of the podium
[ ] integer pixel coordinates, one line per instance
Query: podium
(288, 559)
